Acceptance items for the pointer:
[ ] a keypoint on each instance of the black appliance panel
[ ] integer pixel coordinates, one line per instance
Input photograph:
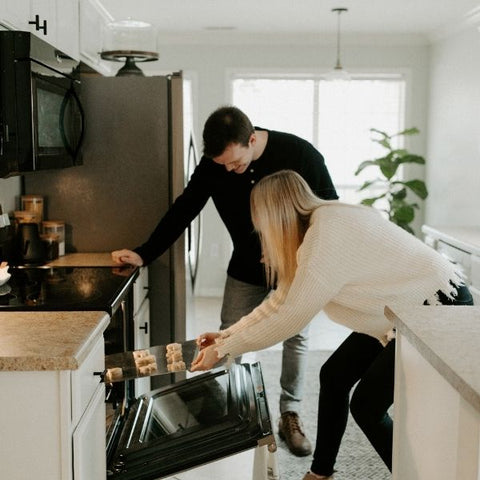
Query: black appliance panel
(41, 117)
(65, 288)
(191, 423)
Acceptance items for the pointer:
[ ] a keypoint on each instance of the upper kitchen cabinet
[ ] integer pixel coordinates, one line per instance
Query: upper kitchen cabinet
(54, 21)
(93, 18)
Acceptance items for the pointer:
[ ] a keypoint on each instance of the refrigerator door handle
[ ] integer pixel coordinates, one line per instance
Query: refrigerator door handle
(194, 231)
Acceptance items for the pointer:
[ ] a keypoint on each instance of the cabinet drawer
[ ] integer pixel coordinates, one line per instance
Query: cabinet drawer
(84, 382)
(475, 273)
(459, 257)
(476, 296)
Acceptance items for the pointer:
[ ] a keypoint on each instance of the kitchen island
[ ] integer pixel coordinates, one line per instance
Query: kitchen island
(437, 393)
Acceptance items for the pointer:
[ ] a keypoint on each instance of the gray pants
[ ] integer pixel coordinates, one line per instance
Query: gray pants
(239, 299)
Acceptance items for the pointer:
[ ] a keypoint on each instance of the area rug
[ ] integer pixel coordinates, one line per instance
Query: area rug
(357, 460)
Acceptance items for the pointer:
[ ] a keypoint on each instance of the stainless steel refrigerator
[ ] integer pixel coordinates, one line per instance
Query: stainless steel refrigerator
(134, 166)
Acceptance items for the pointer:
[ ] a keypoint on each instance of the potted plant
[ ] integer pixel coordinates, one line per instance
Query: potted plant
(399, 209)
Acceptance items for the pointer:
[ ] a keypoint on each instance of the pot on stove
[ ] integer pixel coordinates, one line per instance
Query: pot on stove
(30, 248)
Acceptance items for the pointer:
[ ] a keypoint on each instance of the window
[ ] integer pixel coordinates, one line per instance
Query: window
(335, 117)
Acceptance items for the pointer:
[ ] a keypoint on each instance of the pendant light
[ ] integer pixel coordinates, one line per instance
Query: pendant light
(338, 73)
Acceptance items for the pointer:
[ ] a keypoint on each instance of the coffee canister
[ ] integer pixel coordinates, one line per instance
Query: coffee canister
(56, 227)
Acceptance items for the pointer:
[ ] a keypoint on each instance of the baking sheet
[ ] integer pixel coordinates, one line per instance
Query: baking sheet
(156, 360)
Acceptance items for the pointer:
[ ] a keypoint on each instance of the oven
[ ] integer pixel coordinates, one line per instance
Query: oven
(175, 428)
(190, 423)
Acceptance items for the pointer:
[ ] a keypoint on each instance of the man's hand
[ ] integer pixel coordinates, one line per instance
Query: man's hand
(129, 257)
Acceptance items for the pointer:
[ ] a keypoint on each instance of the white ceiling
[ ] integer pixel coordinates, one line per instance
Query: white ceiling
(401, 17)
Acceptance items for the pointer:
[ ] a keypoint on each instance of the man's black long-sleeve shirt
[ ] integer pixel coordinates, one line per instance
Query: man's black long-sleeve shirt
(230, 193)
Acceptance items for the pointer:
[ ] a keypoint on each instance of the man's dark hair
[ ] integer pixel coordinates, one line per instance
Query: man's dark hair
(224, 126)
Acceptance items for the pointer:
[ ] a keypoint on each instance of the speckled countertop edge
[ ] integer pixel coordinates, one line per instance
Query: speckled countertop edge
(33, 341)
(448, 337)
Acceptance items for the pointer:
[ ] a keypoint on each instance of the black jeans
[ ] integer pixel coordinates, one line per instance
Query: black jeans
(363, 359)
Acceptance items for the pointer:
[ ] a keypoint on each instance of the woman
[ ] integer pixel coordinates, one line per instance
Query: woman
(351, 262)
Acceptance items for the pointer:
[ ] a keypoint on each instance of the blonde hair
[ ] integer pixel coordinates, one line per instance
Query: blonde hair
(281, 206)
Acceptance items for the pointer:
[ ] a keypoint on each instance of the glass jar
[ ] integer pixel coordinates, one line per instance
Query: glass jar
(56, 227)
(33, 203)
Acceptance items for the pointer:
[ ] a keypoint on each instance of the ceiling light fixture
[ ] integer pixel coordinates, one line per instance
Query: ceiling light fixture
(338, 72)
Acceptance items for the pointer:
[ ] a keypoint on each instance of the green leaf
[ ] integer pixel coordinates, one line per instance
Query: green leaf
(384, 143)
(408, 131)
(404, 214)
(365, 164)
(372, 200)
(418, 187)
(383, 134)
(368, 183)
(400, 194)
(388, 167)
(410, 158)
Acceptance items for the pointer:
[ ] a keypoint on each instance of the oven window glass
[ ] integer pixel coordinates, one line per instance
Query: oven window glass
(200, 405)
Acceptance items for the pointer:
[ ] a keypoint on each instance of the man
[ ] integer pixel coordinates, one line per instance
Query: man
(236, 156)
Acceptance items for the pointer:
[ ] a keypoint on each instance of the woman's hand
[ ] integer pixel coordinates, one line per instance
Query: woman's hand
(206, 359)
(127, 256)
(207, 339)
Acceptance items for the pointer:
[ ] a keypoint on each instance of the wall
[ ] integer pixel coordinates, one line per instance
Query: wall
(453, 173)
(210, 65)
(9, 193)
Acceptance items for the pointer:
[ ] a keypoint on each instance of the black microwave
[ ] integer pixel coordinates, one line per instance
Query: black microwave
(41, 117)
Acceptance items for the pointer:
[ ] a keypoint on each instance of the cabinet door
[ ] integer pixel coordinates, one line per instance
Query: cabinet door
(141, 323)
(42, 20)
(93, 18)
(89, 462)
(476, 295)
(67, 28)
(54, 21)
(15, 14)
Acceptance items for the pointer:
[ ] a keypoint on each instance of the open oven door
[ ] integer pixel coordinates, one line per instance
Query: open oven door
(191, 423)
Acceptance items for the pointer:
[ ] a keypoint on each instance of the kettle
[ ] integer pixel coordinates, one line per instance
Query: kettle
(30, 248)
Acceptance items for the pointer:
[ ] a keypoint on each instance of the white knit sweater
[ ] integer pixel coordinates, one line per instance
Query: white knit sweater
(352, 263)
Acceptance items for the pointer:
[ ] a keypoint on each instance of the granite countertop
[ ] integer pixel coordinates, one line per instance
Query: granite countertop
(448, 337)
(465, 238)
(100, 259)
(48, 340)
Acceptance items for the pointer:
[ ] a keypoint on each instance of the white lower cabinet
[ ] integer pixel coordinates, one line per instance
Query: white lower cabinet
(437, 432)
(44, 434)
(89, 440)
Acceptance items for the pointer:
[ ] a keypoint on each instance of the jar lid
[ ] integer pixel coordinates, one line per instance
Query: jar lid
(53, 223)
(50, 237)
(32, 197)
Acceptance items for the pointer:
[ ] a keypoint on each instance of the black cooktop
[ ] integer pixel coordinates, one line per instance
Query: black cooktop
(65, 288)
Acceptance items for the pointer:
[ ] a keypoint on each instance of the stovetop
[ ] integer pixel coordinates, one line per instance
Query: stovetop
(65, 288)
